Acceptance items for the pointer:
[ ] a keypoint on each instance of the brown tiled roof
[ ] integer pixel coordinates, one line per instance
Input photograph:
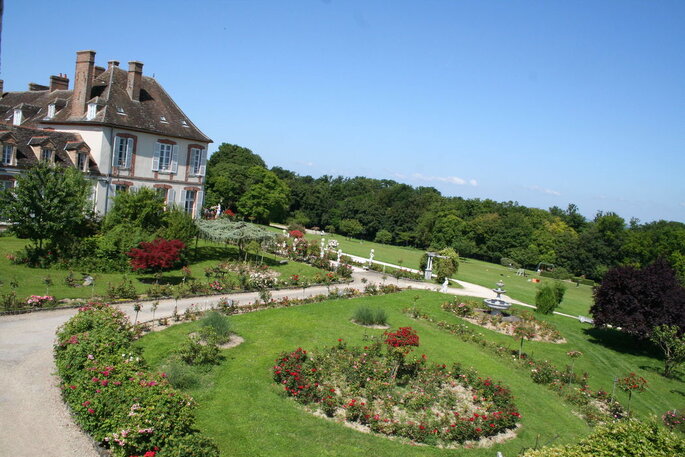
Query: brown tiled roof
(115, 107)
(63, 141)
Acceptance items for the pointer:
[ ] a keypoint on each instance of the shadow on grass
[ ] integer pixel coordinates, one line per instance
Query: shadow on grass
(622, 342)
(676, 376)
(166, 280)
(678, 392)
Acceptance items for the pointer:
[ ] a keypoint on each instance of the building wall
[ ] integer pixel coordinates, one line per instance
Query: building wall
(102, 140)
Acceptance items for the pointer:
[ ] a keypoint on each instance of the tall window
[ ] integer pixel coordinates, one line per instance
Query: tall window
(189, 201)
(46, 155)
(123, 150)
(7, 154)
(82, 161)
(164, 157)
(195, 161)
(120, 188)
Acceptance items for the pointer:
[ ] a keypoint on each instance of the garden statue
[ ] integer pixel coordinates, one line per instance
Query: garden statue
(444, 286)
(371, 255)
(339, 254)
(323, 243)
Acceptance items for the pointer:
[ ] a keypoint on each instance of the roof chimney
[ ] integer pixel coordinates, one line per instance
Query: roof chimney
(2, 87)
(33, 87)
(98, 71)
(135, 77)
(83, 82)
(60, 82)
(112, 63)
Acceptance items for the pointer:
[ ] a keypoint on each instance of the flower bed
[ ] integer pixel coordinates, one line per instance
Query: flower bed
(544, 331)
(380, 388)
(115, 398)
(595, 406)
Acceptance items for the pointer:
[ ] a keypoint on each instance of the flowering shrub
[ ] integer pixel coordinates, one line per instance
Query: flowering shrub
(598, 408)
(543, 330)
(296, 234)
(113, 396)
(424, 403)
(159, 255)
(38, 301)
(675, 420)
(405, 336)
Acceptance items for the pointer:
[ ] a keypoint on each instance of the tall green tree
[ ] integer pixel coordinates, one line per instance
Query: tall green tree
(266, 198)
(49, 206)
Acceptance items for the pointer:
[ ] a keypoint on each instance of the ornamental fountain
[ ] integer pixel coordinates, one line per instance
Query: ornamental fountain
(497, 305)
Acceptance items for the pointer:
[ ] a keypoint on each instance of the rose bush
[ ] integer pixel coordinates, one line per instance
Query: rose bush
(382, 388)
(113, 395)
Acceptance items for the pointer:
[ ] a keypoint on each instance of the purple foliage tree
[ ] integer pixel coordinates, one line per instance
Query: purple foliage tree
(637, 300)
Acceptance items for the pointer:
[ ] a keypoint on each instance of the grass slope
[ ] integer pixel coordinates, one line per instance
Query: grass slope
(247, 414)
(207, 254)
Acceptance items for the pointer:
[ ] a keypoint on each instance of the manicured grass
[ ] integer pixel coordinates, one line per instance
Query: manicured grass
(577, 300)
(247, 414)
(207, 255)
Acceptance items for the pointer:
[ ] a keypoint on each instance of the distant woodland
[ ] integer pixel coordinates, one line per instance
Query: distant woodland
(390, 212)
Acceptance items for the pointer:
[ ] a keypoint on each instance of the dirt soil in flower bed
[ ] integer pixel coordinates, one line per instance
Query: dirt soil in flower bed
(378, 327)
(507, 328)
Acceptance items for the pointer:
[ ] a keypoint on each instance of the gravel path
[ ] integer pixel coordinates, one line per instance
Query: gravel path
(33, 418)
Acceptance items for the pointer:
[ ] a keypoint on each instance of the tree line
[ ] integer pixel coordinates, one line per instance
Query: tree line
(390, 212)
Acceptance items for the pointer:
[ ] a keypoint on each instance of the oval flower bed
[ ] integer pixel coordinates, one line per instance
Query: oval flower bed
(380, 388)
(542, 330)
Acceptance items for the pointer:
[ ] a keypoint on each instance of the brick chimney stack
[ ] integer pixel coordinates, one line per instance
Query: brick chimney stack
(98, 71)
(83, 82)
(112, 63)
(60, 82)
(135, 78)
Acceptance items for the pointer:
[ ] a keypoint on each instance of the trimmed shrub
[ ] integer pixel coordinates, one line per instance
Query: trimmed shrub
(546, 299)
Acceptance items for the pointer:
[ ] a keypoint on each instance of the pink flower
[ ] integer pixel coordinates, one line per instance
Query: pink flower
(91, 410)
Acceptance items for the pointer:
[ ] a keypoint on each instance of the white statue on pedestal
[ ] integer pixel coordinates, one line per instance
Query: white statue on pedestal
(444, 286)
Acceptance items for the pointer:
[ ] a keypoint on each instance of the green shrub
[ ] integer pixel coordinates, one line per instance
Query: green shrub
(628, 438)
(200, 348)
(180, 375)
(383, 236)
(368, 316)
(557, 273)
(546, 299)
(193, 445)
(220, 324)
(124, 289)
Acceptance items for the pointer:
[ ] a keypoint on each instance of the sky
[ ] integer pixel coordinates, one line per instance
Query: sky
(544, 103)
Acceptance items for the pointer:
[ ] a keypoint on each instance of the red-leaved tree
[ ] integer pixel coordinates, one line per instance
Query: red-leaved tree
(159, 255)
(638, 300)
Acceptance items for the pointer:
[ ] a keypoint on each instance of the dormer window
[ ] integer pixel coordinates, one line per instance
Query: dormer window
(92, 111)
(184, 123)
(17, 117)
(7, 154)
(81, 161)
(120, 110)
(163, 119)
(46, 155)
(51, 110)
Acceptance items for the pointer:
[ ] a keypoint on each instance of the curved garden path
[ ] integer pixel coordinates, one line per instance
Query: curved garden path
(33, 418)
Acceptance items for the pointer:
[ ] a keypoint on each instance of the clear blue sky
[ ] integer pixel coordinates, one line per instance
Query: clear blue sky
(541, 102)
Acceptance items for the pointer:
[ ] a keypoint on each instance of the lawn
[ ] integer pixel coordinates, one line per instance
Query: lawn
(207, 254)
(576, 302)
(246, 413)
